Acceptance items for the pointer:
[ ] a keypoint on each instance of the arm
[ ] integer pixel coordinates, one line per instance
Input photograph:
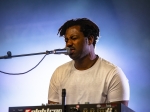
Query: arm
(51, 102)
(119, 91)
(123, 102)
(53, 93)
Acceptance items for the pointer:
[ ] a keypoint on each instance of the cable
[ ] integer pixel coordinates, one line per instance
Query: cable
(26, 71)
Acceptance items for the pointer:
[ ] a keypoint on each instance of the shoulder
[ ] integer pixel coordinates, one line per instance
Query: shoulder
(65, 66)
(110, 69)
(106, 65)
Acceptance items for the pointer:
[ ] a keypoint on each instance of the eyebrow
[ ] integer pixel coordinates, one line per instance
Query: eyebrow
(71, 36)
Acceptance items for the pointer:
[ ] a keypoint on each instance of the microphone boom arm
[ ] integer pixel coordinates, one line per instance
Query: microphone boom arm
(65, 51)
(9, 55)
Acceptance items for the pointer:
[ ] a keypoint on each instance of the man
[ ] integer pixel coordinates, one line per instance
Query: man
(88, 77)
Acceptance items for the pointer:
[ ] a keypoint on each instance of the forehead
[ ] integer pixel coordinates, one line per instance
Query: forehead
(73, 30)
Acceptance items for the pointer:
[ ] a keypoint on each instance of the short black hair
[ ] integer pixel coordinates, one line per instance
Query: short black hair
(88, 28)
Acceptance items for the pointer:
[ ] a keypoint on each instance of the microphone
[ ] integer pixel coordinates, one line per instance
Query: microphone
(65, 51)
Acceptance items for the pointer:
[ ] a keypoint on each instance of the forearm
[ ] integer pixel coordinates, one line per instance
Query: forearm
(52, 102)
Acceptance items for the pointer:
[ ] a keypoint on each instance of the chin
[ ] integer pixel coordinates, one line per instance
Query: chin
(73, 57)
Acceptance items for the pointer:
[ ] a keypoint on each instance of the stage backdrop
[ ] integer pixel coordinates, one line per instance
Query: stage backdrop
(30, 26)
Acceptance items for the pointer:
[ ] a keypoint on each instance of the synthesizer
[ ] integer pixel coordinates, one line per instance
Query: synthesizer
(109, 107)
(105, 107)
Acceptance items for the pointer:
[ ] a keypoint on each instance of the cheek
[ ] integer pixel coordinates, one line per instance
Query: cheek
(82, 46)
(79, 44)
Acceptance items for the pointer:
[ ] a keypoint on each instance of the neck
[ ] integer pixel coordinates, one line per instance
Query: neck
(86, 62)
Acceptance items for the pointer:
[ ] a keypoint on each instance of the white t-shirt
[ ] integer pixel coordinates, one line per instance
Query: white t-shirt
(103, 82)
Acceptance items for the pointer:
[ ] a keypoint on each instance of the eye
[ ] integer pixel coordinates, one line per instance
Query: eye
(74, 38)
(66, 39)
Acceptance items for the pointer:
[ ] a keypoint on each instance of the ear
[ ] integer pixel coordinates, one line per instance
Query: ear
(90, 40)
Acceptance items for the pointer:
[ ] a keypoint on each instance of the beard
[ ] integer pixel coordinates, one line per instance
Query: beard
(78, 55)
(74, 56)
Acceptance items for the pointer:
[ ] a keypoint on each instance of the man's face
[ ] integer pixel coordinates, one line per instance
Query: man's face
(77, 43)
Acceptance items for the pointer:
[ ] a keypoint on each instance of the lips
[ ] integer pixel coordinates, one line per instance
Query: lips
(72, 50)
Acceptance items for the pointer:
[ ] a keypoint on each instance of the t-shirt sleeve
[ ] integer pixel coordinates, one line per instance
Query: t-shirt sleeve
(118, 88)
(53, 94)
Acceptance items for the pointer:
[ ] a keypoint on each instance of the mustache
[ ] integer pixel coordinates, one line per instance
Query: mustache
(71, 48)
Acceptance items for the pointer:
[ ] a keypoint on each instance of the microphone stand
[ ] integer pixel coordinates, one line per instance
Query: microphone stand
(63, 99)
(9, 54)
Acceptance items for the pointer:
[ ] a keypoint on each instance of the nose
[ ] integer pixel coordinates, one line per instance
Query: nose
(69, 43)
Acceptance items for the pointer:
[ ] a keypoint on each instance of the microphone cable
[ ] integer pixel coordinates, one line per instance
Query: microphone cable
(26, 71)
